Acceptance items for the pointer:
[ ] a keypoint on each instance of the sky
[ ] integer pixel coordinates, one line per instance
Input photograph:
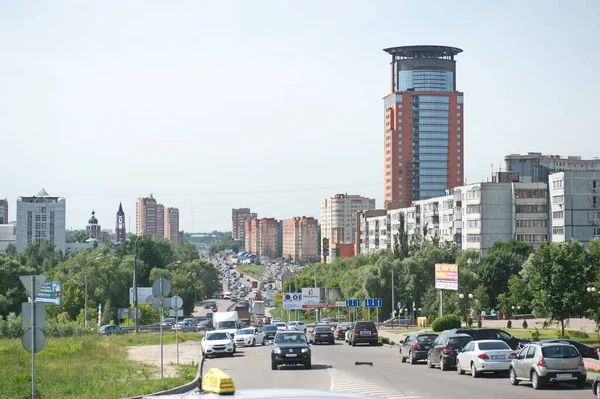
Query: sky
(272, 105)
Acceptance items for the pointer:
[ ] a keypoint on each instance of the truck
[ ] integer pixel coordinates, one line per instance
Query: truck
(254, 284)
(258, 307)
(243, 315)
(226, 321)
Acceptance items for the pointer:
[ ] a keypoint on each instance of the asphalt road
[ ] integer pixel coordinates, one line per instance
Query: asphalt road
(334, 369)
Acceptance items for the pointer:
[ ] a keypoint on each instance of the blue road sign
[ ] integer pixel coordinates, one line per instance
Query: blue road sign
(399, 305)
(372, 302)
(352, 303)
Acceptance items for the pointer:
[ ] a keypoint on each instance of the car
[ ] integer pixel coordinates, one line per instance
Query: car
(290, 348)
(168, 322)
(399, 321)
(348, 333)
(364, 332)
(204, 325)
(479, 334)
(415, 347)
(190, 320)
(340, 330)
(596, 387)
(297, 326)
(270, 332)
(275, 320)
(184, 326)
(110, 329)
(281, 326)
(328, 320)
(585, 351)
(486, 355)
(541, 363)
(445, 349)
(217, 343)
(250, 336)
(322, 334)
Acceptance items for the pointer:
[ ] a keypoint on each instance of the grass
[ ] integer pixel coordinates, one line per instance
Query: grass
(407, 330)
(150, 339)
(254, 271)
(550, 333)
(87, 366)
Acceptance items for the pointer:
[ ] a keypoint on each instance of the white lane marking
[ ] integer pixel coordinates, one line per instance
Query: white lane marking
(342, 381)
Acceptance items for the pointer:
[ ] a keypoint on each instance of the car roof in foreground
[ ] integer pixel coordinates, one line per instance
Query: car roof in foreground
(269, 394)
(483, 341)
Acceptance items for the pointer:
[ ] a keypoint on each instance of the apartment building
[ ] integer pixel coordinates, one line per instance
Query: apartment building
(160, 220)
(41, 217)
(262, 237)
(251, 236)
(171, 224)
(575, 206)
(338, 216)
(238, 222)
(8, 235)
(3, 211)
(537, 167)
(300, 239)
(146, 222)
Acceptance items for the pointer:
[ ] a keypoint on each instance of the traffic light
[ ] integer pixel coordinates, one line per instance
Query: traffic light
(325, 247)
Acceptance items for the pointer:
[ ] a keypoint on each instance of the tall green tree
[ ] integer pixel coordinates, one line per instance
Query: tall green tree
(12, 292)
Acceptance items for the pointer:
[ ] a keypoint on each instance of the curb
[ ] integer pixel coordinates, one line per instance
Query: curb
(195, 383)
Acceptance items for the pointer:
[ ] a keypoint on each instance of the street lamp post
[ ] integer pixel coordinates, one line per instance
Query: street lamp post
(135, 293)
(592, 290)
(466, 298)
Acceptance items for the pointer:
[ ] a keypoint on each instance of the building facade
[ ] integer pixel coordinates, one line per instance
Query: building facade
(251, 236)
(93, 228)
(3, 211)
(160, 220)
(145, 216)
(536, 167)
(424, 129)
(41, 217)
(172, 225)
(300, 239)
(262, 237)
(338, 217)
(8, 235)
(238, 222)
(120, 232)
(575, 206)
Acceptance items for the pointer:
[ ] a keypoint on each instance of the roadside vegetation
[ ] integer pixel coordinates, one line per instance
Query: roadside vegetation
(254, 271)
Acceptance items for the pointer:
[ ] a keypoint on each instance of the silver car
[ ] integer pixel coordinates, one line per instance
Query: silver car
(543, 363)
(486, 355)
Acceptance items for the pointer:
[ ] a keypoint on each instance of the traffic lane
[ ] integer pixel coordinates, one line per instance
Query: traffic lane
(434, 383)
(250, 368)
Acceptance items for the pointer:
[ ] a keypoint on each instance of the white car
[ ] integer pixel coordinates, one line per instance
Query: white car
(280, 326)
(250, 336)
(485, 355)
(275, 320)
(217, 343)
(296, 326)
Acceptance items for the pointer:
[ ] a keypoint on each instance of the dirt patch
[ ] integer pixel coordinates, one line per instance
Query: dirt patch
(189, 352)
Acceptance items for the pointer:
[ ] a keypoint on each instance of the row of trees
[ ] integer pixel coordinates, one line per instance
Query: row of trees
(108, 275)
(511, 277)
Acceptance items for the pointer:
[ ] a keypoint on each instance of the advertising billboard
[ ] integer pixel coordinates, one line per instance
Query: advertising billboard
(144, 295)
(311, 296)
(51, 292)
(292, 300)
(446, 276)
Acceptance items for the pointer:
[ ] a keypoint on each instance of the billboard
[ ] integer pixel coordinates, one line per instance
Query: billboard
(446, 276)
(270, 295)
(311, 296)
(292, 300)
(144, 295)
(51, 292)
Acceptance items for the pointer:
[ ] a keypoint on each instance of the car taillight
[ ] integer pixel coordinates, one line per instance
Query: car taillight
(581, 361)
(354, 332)
(416, 346)
(316, 335)
(448, 351)
(512, 355)
(374, 332)
(483, 356)
(541, 362)
(339, 331)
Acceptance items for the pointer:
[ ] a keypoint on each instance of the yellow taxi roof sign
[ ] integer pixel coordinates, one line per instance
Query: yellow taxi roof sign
(218, 382)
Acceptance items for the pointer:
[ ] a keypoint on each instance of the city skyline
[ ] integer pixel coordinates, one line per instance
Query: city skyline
(312, 125)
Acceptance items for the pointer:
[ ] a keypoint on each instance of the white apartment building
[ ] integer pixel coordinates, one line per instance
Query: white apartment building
(338, 217)
(8, 235)
(39, 218)
(575, 207)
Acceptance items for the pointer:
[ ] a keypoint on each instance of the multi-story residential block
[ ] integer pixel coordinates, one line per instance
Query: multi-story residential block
(251, 236)
(262, 237)
(536, 167)
(120, 233)
(531, 205)
(145, 216)
(41, 217)
(160, 220)
(238, 222)
(8, 235)
(338, 217)
(3, 211)
(300, 239)
(172, 225)
(575, 205)
(424, 129)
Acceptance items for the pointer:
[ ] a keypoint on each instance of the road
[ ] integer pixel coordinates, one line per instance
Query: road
(334, 369)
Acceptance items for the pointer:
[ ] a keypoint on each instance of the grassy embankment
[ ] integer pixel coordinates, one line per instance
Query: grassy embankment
(86, 367)
(254, 271)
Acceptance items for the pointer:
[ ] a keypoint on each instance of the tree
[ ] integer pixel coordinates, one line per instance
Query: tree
(401, 248)
(78, 236)
(12, 292)
(224, 245)
(187, 252)
(556, 275)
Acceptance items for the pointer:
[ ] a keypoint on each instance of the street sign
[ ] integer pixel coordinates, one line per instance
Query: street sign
(176, 312)
(40, 340)
(215, 309)
(39, 281)
(399, 305)
(161, 290)
(161, 302)
(292, 300)
(51, 292)
(340, 304)
(352, 303)
(176, 302)
(27, 317)
(311, 296)
(373, 302)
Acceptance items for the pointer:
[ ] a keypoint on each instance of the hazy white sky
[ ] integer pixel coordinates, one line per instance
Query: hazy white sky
(271, 105)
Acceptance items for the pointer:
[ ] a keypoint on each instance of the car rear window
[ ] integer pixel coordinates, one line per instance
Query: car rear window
(458, 342)
(484, 346)
(365, 325)
(322, 329)
(559, 352)
(426, 338)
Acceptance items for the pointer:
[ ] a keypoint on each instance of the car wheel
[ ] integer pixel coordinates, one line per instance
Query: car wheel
(253, 342)
(402, 358)
(443, 365)
(263, 342)
(353, 343)
(308, 366)
(231, 354)
(512, 376)
(474, 372)
(273, 366)
(459, 369)
(412, 358)
(597, 392)
(580, 384)
(429, 364)
(536, 382)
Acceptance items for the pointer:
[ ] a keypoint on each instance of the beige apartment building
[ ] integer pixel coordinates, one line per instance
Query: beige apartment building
(262, 237)
(300, 239)
(238, 222)
(338, 216)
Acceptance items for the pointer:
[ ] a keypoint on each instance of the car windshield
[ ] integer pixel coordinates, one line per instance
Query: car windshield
(290, 338)
(227, 324)
(484, 346)
(559, 352)
(216, 336)
(458, 342)
(426, 338)
(246, 331)
(322, 329)
(365, 325)
(279, 324)
(270, 328)
(292, 323)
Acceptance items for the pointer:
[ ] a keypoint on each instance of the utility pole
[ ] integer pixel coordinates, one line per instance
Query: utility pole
(135, 293)
(316, 309)
(393, 298)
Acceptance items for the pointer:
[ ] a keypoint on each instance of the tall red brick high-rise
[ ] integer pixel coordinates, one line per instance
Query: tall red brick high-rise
(238, 222)
(172, 225)
(424, 129)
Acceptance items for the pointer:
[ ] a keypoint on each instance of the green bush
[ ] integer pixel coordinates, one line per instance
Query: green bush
(535, 334)
(509, 324)
(65, 328)
(446, 322)
(567, 334)
(384, 340)
(470, 322)
(525, 325)
(578, 334)
(11, 327)
(479, 323)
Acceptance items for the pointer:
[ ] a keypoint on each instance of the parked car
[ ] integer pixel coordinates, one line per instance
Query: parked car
(340, 330)
(322, 334)
(552, 362)
(290, 348)
(364, 332)
(445, 349)
(403, 321)
(479, 334)
(415, 347)
(584, 350)
(216, 343)
(110, 329)
(486, 355)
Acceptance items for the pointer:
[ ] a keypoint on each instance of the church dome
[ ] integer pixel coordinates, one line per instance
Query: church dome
(93, 219)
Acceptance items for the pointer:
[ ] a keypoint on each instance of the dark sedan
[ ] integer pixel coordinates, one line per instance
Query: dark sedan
(290, 348)
(270, 332)
(322, 334)
(445, 349)
(416, 347)
(584, 350)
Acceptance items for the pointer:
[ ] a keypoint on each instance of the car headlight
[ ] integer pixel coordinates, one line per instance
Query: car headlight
(304, 350)
(277, 351)
(229, 344)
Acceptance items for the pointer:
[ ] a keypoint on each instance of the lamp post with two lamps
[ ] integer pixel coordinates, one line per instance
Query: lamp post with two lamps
(466, 298)
(592, 290)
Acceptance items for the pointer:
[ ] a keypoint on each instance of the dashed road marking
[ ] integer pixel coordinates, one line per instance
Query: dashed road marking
(342, 381)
